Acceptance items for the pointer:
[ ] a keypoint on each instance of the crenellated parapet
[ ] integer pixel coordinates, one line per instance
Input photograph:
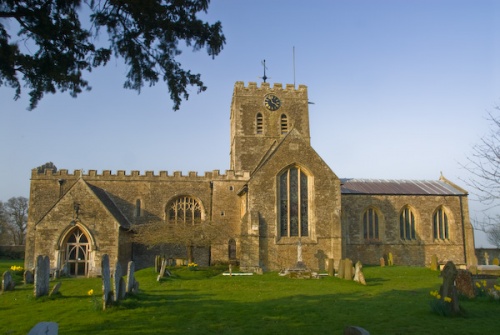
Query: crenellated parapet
(253, 89)
(135, 175)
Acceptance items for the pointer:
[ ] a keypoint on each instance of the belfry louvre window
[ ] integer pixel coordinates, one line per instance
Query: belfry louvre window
(293, 203)
(407, 224)
(370, 224)
(440, 225)
(259, 124)
(184, 209)
(284, 124)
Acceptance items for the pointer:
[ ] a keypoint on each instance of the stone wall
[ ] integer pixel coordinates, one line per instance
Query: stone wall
(408, 252)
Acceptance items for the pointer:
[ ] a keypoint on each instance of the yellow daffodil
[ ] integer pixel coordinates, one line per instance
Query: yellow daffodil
(447, 299)
(91, 292)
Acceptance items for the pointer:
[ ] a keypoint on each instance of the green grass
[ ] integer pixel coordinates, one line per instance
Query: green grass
(394, 301)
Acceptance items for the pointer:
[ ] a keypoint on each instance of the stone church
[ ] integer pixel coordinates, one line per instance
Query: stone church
(277, 193)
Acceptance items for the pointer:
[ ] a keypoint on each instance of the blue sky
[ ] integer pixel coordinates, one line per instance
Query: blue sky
(401, 91)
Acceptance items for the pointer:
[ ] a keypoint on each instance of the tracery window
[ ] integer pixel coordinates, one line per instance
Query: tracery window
(77, 253)
(259, 124)
(370, 225)
(184, 209)
(284, 124)
(293, 203)
(440, 225)
(407, 224)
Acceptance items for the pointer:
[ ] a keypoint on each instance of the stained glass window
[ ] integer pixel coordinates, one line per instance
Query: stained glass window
(294, 203)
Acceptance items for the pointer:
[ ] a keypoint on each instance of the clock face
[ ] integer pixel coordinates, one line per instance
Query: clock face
(272, 102)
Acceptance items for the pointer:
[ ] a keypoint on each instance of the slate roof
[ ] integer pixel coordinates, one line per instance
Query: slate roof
(399, 187)
(110, 205)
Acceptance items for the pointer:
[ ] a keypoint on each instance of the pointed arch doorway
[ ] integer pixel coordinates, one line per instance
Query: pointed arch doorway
(77, 252)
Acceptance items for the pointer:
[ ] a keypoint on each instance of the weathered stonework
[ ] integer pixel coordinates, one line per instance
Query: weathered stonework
(92, 213)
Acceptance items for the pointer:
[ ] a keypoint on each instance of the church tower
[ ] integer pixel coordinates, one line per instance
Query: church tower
(261, 117)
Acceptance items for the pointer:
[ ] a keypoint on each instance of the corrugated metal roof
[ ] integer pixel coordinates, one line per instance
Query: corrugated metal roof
(401, 187)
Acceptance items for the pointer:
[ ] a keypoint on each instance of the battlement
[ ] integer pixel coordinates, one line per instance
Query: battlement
(253, 87)
(136, 175)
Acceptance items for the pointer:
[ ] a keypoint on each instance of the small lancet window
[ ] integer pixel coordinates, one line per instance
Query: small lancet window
(284, 124)
(259, 122)
(138, 208)
(440, 225)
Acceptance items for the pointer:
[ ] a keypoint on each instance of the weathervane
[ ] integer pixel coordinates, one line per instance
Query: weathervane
(264, 65)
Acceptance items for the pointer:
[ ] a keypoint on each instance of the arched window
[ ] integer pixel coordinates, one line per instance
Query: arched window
(183, 209)
(77, 248)
(293, 203)
(440, 225)
(370, 225)
(284, 124)
(259, 124)
(407, 224)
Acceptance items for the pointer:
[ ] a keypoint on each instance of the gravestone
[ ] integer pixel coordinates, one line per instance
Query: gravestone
(341, 269)
(434, 263)
(448, 289)
(348, 269)
(358, 273)
(162, 269)
(355, 330)
(42, 276)
(382, 261)
(158, 262)
(390, 261)
(55, 289)
(117, 275)
(130, 277)
(28, 277)
(45, 328)
(465, 284)
(7, 282)
(331, 267)
(122, 289)
(106, 281)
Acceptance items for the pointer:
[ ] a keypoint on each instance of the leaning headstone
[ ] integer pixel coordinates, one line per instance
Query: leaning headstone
(45, 328)
(495, 261)
(162, 269)
(28, 277)
(42, 276)
(434, 262)
(117, 275)
(106, 281)
(341, 269)
(382, 262)
(7, 282)
(448, 289)
(355, 330)
(358, 273)
(130, 277)
(55, 289)
(348, 270)
(465, 284)
(390, 261)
